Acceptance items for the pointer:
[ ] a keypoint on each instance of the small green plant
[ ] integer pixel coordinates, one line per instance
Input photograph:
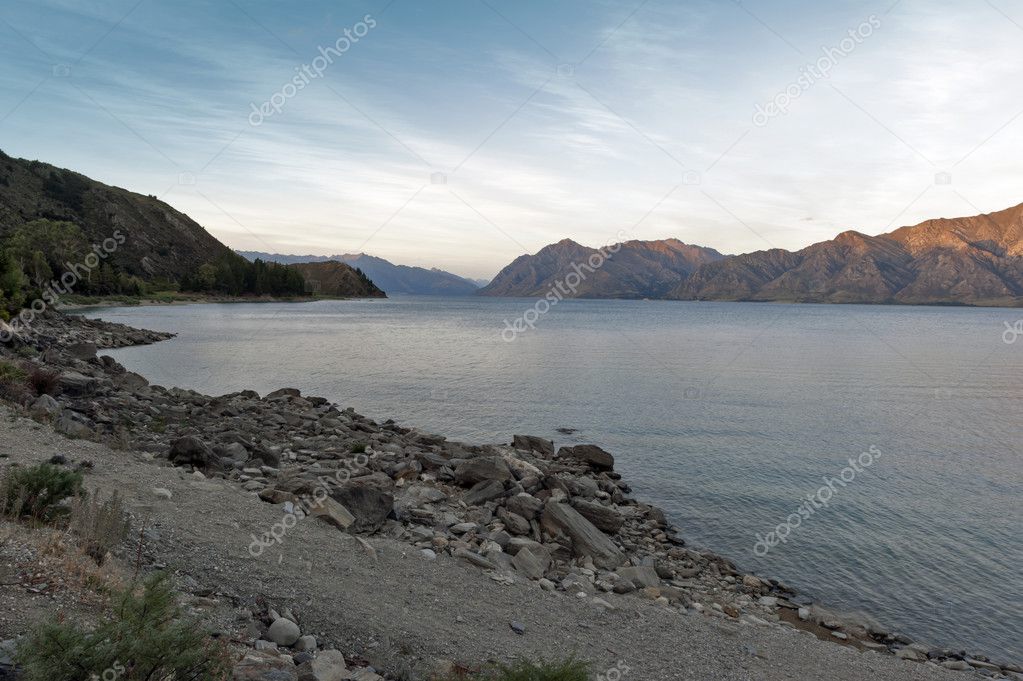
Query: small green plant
(13, 386)
(38, 491)
(100, 526)
(566, 670)
(358, 448)
(144, 638)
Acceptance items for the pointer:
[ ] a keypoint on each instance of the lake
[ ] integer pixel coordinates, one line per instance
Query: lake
(730, 416)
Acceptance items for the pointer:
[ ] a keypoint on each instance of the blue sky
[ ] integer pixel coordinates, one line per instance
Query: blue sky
(462, 134)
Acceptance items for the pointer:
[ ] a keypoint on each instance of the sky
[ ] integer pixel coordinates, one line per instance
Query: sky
(461, 134)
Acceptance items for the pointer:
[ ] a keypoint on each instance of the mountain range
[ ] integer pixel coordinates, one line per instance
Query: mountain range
(401, 279)
(970, 260)
(632, 269)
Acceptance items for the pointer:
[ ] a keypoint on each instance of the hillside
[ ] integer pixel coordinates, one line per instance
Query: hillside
(971, 260)
(161, 241)
(401, 279)
(638, 269)
(337, 279)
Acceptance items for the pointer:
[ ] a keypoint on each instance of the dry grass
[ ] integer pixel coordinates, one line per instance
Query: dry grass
(99, 525)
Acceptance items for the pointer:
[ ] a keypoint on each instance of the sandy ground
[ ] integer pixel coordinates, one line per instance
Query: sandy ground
(404, 611)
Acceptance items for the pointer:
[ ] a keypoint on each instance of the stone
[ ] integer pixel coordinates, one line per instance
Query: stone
(162, 493)
(906, 654)
(82, 351)
(531, 443)
(474, 558)
(72, 427)
(76, 384)
(191, 451)
(484, 491)
(587, 540)
(525, 505)
(605, 518)
(283, 632)
(334, 513)
(956, 665)
(518, 627)
(428, 554)
(305, 644)
(642, 576)
(594, 456)
(328, 665)
(45, 406)
(528, 564)
(515, 523)
(284, 392)
(264, 666)
(472, 471)
(369, 506)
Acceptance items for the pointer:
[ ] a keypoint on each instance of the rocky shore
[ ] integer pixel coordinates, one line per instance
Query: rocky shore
(523, 512)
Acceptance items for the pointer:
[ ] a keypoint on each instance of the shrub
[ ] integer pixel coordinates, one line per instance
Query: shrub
(38, 491)
(13, 386)
(144, 638)
(99, 526)
(43, 381)
(567, 670)
(358, 448)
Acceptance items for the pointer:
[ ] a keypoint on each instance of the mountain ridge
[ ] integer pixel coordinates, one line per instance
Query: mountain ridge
(401, 279)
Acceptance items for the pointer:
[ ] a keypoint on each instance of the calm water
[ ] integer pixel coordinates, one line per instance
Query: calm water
(727, 415)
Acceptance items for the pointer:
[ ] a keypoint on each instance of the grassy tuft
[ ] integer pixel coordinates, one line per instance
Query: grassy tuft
(566, 670)
(37, 492)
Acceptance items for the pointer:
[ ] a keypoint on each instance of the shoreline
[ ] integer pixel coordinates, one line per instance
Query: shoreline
(198, 299)
(620, 547)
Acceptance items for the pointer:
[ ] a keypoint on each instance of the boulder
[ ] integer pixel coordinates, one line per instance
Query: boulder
(283, 632)
(525, 505)
(82, 351)
(45, 407)
(284, 392)
(531, 443)
(484, 491)
(641, 577)
(334, 513)
(515, 523)
(74, 383)
(72, 427)
(264, 666)
(328, 665)
(191, 451)
(587, 540)
(368, 505)
(604, 517)
(592, 455)
(472, 471)
(528, 564)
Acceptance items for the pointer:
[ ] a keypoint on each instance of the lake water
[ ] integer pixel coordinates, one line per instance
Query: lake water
(727, 415)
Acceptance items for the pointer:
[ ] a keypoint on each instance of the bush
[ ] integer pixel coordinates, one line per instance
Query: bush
(13, 385)
(37, 492)
(568, 670)
(99, 526)
(358, 448)
(144, 638)
(43, 381)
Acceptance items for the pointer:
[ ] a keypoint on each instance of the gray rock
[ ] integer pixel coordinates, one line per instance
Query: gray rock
(641, 577)
(528, 564)
(264, 666)
(328, 665)
(474, 558)
(72, 427)
(472, 471)
(525, 505)
(283, 632)
(74, 383)
(604, 517)
(45, 406)
(587, 540)
(283, 392)
(484, 491)
(191, 451)
(532, 443)
(515, 523)
(592, 455)
(369, 506)
(305, 644)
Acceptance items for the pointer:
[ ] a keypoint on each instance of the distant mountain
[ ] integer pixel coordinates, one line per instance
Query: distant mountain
(971, 260)
(388, 276)
(638, 269)
(332, 278)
